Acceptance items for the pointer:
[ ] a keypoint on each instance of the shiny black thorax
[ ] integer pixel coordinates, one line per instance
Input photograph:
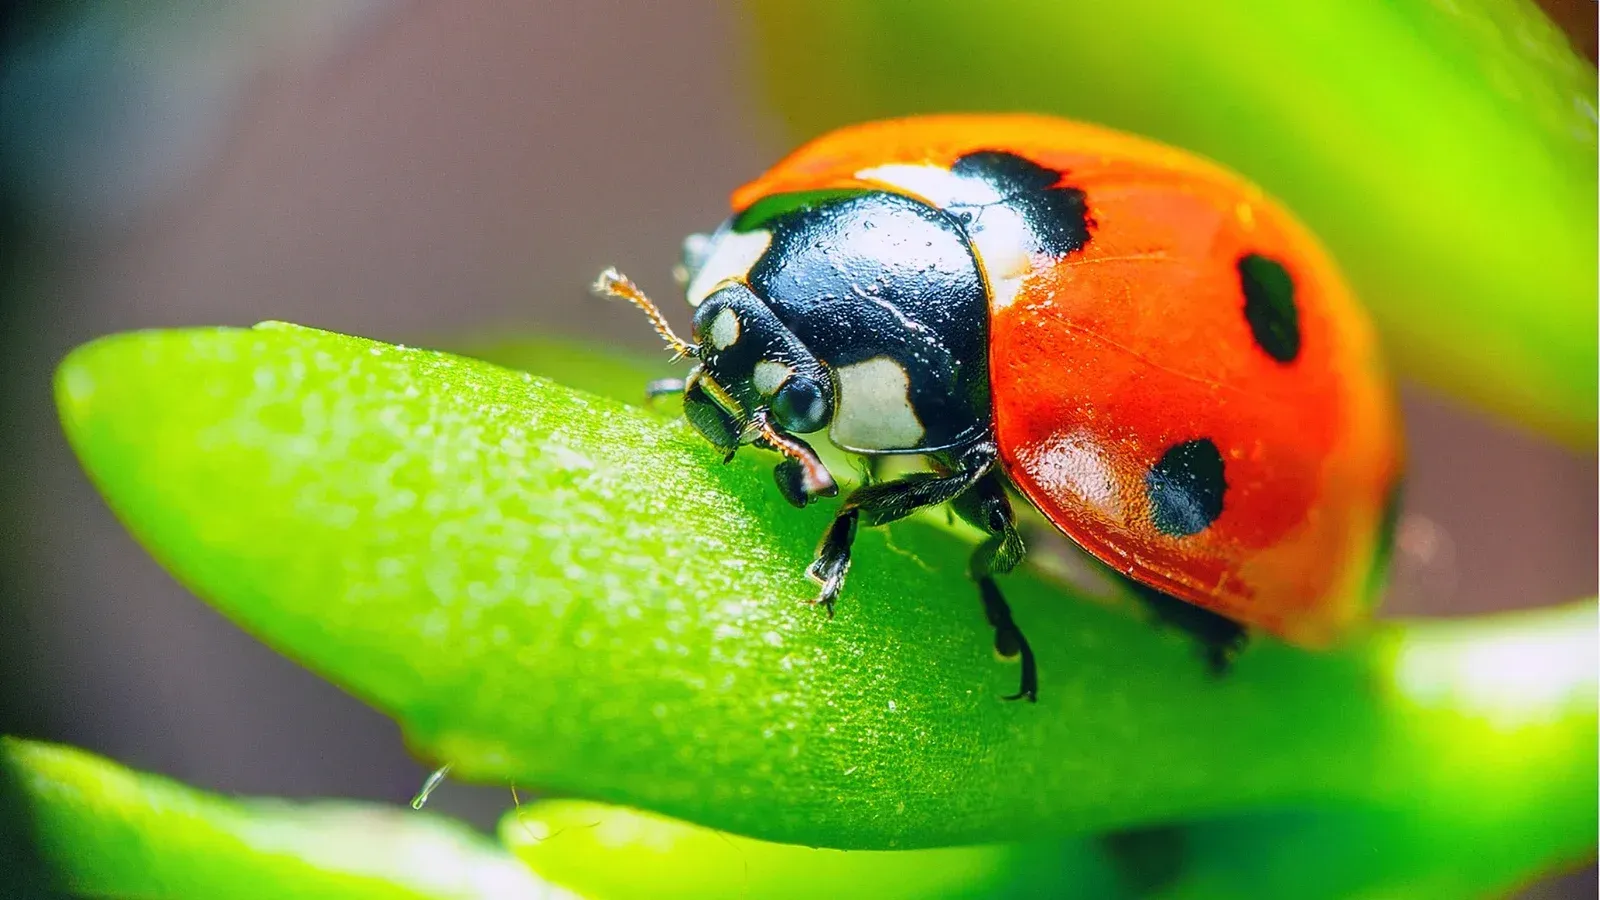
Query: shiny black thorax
(858, 277)
(876, 302)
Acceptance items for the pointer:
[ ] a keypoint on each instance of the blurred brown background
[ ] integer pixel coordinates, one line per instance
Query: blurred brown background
(413, 171)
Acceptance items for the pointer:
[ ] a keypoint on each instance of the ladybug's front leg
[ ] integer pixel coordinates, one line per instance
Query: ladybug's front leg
(987, 507)
(884, 502)
(833, 556)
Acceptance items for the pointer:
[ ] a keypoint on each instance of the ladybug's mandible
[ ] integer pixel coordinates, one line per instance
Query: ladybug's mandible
(1145, 347)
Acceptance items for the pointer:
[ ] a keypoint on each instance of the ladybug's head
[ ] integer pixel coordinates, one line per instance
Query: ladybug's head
(755, 382)
(749, 356)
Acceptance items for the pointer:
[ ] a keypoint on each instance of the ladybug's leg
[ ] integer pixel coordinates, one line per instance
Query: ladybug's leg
(833, 556)
(1221, 638)
(886, 501)
(987, 507)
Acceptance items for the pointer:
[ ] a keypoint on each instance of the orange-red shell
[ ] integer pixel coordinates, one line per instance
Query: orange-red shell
(1108, 357)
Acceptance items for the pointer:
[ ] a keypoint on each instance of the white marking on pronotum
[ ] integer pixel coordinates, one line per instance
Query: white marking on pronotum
(874, 410)
(1007, 249)
(769, 376)
(937, 185)
(731, 257)
(1001, 238)
(696, 247)
(724, 329)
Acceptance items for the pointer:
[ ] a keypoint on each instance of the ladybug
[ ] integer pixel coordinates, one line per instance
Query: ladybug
(1141, 345)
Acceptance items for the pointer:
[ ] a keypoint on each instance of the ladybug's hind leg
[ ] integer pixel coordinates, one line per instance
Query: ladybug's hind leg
(1221, 639)
(987, 507)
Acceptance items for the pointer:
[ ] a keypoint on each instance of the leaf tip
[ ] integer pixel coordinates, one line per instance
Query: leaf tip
(76, 381)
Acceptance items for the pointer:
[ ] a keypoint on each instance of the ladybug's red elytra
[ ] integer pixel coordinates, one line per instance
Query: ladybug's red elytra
(1142, 345)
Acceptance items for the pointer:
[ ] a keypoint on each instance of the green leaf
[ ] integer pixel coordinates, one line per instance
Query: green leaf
(615, 853)
(1446, 152)
(103, 831)
(577, 363)
(1331, 853)
(549, 588)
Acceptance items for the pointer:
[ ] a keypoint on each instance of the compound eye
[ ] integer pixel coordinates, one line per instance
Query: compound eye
(710, 419)
(800, 407)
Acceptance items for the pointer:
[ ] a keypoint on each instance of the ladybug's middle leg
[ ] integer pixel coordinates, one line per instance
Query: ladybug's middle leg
(987, 507)
(884, 502)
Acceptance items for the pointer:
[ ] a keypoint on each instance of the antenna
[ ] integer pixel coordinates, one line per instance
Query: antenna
(612, 283)
(816, 479)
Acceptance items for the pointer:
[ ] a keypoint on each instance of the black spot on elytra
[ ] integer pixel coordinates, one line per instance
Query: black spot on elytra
(1185, 488)
(1269, 306)
(1058, 215)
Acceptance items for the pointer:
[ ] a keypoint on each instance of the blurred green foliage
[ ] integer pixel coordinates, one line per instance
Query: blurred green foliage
(1308, 854)
(618, 854)
(1445, 152)
(99, 830)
